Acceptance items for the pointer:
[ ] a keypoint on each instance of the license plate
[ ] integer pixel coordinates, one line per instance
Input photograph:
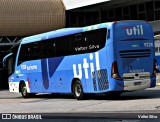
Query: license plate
(137, 83)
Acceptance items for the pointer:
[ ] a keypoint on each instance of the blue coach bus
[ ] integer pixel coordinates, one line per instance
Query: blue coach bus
(105, 58)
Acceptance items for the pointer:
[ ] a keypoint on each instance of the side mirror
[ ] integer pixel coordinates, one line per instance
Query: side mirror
(5, 60)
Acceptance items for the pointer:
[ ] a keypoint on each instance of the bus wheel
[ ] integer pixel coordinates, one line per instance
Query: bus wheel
(24, 92)
(77, 90)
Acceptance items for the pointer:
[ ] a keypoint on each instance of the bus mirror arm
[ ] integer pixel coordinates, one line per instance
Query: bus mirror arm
(5, 63)
(5, 60)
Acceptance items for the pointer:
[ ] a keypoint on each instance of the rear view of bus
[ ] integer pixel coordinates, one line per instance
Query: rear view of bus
(134, 65)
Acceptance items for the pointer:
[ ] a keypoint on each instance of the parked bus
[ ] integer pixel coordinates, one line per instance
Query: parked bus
(157, 52)
(105, 58)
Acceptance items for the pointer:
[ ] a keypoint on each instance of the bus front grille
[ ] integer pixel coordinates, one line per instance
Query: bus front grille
(100, 80)
(135, 53)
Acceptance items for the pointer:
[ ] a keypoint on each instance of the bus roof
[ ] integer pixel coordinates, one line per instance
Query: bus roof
(69, 31)
(51, 34)
(63, 32)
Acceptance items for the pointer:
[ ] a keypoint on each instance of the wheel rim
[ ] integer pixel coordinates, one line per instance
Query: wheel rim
(24, 90)
(78, 90)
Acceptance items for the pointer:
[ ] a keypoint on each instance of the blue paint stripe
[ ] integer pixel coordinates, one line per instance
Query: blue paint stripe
(45, 73)
(53, 64)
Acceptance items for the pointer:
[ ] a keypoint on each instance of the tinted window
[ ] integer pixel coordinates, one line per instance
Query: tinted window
(63, 46)
(79, 43)
(29, 52)
(89, 41)
(84, 42)
(48, 48)
(96, 39)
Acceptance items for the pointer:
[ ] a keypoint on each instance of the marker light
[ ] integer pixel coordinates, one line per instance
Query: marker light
(115, 22)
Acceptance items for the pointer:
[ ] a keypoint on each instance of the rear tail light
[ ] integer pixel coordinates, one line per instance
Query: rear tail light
(154, 69)
(115, 73)
(115, 22)
(28, 83)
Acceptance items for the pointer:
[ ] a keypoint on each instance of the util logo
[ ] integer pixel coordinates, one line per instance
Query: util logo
(135, 30)
(85, 66)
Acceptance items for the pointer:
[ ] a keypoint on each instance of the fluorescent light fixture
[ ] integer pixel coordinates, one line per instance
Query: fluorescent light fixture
(72, 4)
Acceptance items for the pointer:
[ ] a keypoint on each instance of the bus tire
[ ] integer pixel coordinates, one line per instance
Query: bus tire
(77, 90)
(24, 92)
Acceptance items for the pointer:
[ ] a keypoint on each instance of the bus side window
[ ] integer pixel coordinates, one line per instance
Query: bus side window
(79, 43)
(48, 48)
(63, 46)
(35, 51)
(89, 41)
(108, 34)
(96, 39)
